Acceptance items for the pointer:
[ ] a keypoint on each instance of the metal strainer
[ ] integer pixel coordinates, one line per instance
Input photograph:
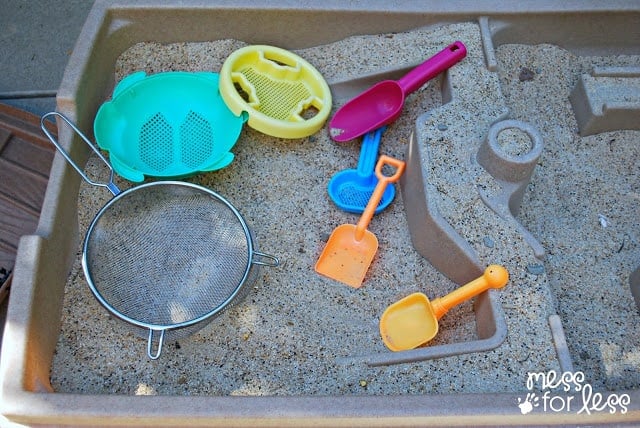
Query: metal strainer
(166, 256)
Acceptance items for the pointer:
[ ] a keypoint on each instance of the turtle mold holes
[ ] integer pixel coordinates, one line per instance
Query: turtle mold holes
(156, 142)
(196, 140)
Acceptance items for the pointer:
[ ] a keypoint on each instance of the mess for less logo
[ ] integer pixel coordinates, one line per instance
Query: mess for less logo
(568, 392)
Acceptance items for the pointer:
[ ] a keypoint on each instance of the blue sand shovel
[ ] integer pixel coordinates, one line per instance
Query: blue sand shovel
(351, 189)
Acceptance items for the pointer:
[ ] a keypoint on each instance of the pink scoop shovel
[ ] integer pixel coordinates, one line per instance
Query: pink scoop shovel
(382, 103)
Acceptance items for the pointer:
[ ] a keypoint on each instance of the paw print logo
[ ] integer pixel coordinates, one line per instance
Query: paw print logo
(530, 401)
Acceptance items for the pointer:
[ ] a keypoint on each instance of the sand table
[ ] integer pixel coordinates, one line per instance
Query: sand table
(299, 333)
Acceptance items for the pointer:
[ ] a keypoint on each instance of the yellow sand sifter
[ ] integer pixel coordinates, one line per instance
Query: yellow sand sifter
(413, 320)
(283, 94)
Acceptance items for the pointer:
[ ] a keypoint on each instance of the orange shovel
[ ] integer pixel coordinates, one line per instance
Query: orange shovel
(413, 321)
(350, 249)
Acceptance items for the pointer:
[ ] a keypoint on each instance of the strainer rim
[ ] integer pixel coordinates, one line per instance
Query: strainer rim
(166, 327)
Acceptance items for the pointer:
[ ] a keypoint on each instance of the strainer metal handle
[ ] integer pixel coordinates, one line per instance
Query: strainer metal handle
(110, 185)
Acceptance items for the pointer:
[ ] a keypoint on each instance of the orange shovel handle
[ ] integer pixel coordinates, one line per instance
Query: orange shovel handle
(494, 276)
(383, 181)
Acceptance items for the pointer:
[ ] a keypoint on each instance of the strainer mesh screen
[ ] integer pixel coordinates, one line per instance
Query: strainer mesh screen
(166, 254)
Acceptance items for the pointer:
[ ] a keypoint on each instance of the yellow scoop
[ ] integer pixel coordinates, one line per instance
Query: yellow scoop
(413, 320)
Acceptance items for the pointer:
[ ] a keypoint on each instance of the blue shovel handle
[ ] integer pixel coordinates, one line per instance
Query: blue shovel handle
(369, 152)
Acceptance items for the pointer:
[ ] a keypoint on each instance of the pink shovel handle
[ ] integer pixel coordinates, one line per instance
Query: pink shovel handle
(435, 65)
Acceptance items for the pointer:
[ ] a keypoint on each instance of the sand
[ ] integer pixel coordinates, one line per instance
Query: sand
(298, 333)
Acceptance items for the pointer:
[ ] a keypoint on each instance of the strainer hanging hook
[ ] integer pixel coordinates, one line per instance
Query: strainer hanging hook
(150, 353)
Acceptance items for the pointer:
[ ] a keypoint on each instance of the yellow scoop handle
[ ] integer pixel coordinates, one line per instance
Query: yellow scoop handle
(494, 276)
